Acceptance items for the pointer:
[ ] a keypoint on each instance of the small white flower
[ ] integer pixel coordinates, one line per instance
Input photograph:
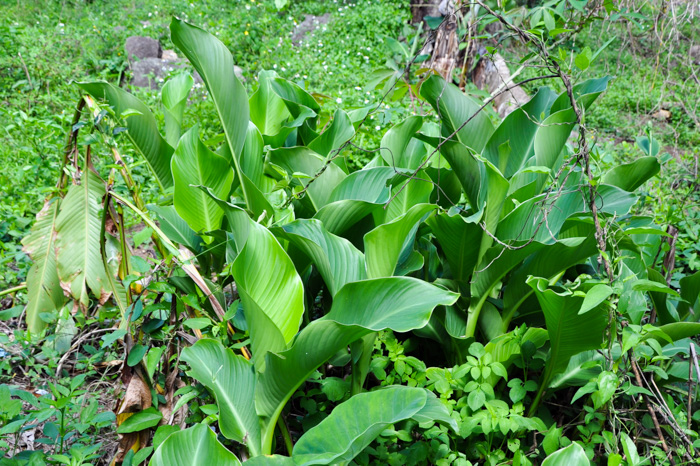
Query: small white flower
(339, 100)
(274, 66)
(377, 127)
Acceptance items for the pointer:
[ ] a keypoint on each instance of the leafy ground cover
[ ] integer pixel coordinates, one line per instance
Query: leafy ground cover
(304, 266)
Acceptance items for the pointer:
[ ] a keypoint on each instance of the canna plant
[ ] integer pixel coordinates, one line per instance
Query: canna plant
(457, 231)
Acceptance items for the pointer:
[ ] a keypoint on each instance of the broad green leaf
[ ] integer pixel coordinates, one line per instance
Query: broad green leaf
(384, 244)
(353, 425)
(175, 228)
(454, 108)
(301, 105)
(336, 259)
(78, 227)
(585, 94)
(565, 327)
(142, 128)
(268, 111)
(550, 262)
(359, 308)
(252, 156)
(265, 277)
(355, 197)
(679, 330)
(435, 410)
(406, 195)
(459, 240)
(196, 446)
(594, 297)
(468, 169)
(542, 217)
(690, 292)
(518, 130)
(214, 63)
(174, 96)
(195, 165)
(140, 421)
(395, 143)
(336, 134)
(232, 379)
(301, 160)
(573, 455)
(630, 176)
(630, 450)
(43, 285)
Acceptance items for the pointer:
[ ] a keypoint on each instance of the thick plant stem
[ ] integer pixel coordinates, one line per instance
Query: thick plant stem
(285, 434)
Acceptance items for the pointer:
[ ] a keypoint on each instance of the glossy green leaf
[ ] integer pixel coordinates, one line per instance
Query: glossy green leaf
(44, 293)
(573, 455)
(384, 244)
(336, 134)
(196, 446)
(175, 228)
(336, 259)
(359, 308)
(454, 108)
(459, 240)
(252, 156)
(631, 176)
(266, 279)
(214, 63)
(395, 144)
(690, 292)
(142, 128)
(174, 96)
(564, 326)
(268, 111)
(78, 227)
(594, 297)
(301, 160)
(354, 424)
(406, 195)
(194, 165)
(141, 420)
(518, 130)
(355, 197)
(232, 379)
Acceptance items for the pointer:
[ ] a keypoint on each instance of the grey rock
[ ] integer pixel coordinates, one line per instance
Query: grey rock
(694, 53)
(151, 72)
(309, 24)
(138, 47)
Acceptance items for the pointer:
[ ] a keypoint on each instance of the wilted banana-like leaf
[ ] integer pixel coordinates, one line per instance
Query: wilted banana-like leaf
(43, 285)
(78, 227)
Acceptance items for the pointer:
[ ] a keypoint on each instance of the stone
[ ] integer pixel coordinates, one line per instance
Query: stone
(151, 72)
(309, 24)
(139, 48)
(694, 53)
(662, 115)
